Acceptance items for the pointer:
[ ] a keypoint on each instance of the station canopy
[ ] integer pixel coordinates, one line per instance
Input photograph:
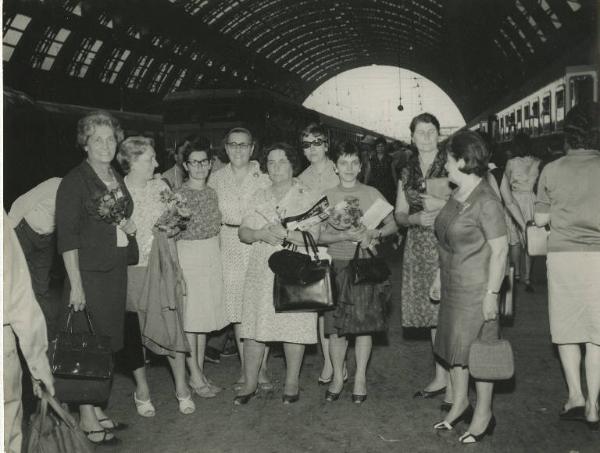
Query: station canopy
(130, 54)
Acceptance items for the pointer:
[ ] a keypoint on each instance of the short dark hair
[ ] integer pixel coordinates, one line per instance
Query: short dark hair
(521, 145)
(315, 129)
(582, 128)
(290, 152)
(131, 148)
(424, 118)
(380, 141)
(199, 143)
(346, 148)
(470, 147)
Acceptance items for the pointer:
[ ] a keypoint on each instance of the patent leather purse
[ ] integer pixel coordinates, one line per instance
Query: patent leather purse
(491, 359)
(368, 271)
(537, 239)
(82, 363)
(306, 288)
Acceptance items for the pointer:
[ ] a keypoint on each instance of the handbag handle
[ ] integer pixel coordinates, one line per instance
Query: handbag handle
(310, 244)
(88, 316)
(48, 399)
(483, 326)
(357, 252)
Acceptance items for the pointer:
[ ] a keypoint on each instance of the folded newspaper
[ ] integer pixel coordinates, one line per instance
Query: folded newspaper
(378, 211)
(316, 214)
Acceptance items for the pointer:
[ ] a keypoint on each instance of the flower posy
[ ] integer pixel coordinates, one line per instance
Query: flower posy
(111, 206)
(346, 214)
(176, 215)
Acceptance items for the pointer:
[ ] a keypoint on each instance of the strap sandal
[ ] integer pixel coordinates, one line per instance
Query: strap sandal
(203, 391)
(186, 404)
(144, 408)
(101, 440)
(112, 425)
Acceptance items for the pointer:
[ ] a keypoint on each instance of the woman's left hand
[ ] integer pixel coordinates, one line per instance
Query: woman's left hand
(431, 203)
(490, 307)
(128, 226)
(369, 238)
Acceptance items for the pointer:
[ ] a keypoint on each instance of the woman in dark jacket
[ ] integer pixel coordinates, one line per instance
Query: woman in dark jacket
(94, 245)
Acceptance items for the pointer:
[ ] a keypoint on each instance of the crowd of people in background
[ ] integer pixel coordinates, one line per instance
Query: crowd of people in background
(459, 217)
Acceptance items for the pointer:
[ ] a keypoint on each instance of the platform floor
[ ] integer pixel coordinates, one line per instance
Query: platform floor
(389, 421)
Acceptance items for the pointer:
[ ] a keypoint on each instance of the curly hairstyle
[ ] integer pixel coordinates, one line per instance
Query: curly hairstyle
(582, 126)
(87, 125)
(290, 152)
(131, 148)
(470, 147)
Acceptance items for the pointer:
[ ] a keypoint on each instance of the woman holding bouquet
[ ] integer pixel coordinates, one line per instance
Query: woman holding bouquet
(262, 228)
(137, 159)
(417, 210)
(360, 309)
(200, 259)
(93, 240)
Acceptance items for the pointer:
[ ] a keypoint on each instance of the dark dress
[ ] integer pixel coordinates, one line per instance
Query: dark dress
(463, 231)
(420, 251)
(103, 265)
(381, 177)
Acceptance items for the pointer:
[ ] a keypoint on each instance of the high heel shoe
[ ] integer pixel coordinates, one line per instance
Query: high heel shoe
(445, 425)
(186, 404)
(290, 399)
(331, 396)
(322, 381)
(358, 399)
(144, 408)
(239, 400)
(203, 391)
(468, 438)
(427, 394)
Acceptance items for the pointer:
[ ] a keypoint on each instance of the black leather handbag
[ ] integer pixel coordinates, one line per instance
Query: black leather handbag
(82, 364)
(307, 288)
(133, 251)
(368, 271)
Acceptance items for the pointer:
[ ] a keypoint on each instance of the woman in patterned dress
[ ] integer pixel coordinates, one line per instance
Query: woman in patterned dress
(235, 184)
(417, 211)
(262, 228)
(200, 259)
(137, 159)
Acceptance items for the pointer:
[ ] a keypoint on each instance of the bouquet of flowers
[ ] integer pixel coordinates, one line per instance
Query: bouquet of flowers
(110, 206)
(346, 214)
(176, 215)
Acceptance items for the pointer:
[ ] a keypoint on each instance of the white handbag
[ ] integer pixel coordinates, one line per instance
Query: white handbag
(537, 239)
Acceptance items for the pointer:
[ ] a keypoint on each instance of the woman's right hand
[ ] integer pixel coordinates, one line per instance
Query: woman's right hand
(77, 298)
(270, 235)
(423, 218)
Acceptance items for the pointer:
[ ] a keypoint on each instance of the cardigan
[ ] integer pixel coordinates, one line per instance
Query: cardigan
(77, 225)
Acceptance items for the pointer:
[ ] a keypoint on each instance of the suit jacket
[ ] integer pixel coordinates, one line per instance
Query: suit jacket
(77, 225)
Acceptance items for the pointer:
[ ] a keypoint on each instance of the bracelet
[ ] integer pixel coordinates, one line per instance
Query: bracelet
(495, 293)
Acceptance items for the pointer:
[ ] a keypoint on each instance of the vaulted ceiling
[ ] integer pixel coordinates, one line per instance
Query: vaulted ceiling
(130, 53)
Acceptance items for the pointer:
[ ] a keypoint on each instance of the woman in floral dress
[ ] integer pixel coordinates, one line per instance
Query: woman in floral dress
(417, 211)
(235, 184)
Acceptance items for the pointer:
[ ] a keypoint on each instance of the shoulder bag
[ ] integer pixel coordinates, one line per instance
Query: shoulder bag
(491, 359)
(368, 271)
(55, 431)
(307, 288)
(82, 364)
(537, 239)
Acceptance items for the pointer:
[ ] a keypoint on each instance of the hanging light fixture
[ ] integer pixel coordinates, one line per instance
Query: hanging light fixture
(400, 106)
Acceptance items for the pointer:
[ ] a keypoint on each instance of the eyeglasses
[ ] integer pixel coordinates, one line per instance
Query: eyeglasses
(317, 142)
(242, 146)
(199, 163)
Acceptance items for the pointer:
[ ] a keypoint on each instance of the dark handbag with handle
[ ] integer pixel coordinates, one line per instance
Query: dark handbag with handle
(306, 289)
(491, 360)
(55, 431)
(82, 364)
(368, 271)
(506, 305)
(133, 251)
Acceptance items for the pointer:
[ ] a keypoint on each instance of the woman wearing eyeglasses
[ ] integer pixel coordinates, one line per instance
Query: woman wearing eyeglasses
(235, 184)
(319, 176)
(200, 259)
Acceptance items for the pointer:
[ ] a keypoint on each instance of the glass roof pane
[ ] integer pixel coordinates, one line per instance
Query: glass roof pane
(574, 4)
(7, 52)
(12, 37)
(20, 22)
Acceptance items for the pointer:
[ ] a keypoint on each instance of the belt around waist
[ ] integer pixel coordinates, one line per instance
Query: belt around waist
(230, 225)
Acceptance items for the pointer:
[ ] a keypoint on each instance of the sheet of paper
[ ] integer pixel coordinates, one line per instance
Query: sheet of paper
(376, 213)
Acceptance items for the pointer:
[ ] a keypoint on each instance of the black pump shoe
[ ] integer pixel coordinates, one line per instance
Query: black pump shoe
(468, 438)
(331, 396)
(466, 416)
(290, 399)
(428, 394)
(243, 399)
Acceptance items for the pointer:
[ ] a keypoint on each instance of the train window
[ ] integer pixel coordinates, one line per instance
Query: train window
(535, 112)
(546, 113)
(84, 57)
(581, 88)
(559, 100)
(527, 116)
(113, 65)
(519, 119)
(47, 48)
(13, 30)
